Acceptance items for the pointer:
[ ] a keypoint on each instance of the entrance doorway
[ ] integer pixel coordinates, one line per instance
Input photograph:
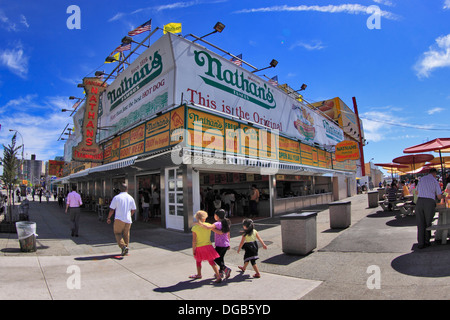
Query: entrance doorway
(174, 199)
(149, 203)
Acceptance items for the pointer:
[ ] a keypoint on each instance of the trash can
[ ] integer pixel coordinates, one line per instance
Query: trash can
(26, 232)
(299, 233)
(340, 214)
(381, 192)
(372, 197)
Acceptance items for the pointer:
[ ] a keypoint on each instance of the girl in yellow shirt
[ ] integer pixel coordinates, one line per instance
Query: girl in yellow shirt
(202, 247)
(248, 242)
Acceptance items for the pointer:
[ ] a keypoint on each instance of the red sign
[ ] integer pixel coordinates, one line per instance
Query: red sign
(347, 150)
(88, 149)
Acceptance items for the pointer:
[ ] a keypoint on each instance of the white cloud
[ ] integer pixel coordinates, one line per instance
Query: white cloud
(117, 16)
(39, 130)
(15, 60)
(384, 2)
(314, 45)
(343, 8)
(24, 21)
(6, 23)
(435, 110)
(447, 4)
(438, 56)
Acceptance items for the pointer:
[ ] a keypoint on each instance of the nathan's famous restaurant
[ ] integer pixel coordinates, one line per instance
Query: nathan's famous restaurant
(182, 121)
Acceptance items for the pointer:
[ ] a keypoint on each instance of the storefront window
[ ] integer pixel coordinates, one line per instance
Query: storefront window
(298, 186)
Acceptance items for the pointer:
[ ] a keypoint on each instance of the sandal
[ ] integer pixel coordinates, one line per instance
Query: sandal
(256, 275)
(241, 268)
(195, 276)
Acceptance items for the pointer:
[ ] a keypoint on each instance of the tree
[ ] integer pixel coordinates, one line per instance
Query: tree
(10, 166)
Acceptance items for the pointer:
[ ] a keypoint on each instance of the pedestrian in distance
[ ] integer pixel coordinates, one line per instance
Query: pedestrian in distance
(250, 245)
(145, 200)
(73, 205)
(428, 189)
(253, 201)
(202, 248)
(221, 229)
(124, 207)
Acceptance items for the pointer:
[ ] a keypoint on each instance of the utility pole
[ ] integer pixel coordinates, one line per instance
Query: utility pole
(363, 168)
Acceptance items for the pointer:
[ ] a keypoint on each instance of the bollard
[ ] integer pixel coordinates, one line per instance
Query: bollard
(372, 198)
(299, 233)
(340, 214)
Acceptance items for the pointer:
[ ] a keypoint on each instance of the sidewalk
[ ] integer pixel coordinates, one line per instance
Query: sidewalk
(160, 262)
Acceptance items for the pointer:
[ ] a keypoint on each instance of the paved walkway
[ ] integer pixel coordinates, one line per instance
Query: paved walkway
(377, 251)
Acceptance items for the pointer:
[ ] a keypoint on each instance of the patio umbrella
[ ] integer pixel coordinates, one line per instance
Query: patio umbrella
(391, 166)
(414, 159)
(436, 145)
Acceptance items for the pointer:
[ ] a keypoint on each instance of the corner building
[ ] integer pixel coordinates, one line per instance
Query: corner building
(183, 123)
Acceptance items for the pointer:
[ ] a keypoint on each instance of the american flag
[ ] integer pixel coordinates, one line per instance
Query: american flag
(274, 81)
(142, 28)
(122, 47)
(237, 61)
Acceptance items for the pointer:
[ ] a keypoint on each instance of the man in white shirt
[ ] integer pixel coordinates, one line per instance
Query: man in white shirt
(124, 206)
(429, 189)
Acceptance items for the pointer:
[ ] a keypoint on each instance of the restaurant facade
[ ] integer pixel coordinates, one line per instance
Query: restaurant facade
(182, 123)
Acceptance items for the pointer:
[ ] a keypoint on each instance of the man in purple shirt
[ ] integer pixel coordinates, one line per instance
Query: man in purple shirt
(428, 189)
(73, 205)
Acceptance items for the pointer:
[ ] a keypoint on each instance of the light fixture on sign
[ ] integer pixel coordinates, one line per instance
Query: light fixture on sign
(272, 64)
(218, 27)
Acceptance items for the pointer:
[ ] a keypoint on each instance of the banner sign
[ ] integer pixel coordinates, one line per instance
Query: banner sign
(142, 90)
(347, 150)
(207, 79)
(88, 150)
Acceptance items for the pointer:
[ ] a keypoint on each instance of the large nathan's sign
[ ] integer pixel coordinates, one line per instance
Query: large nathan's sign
(175, 71)
(204, 78)
(143, 89)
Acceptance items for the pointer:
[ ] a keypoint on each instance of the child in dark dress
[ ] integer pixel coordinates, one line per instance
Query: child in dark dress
(249, 244)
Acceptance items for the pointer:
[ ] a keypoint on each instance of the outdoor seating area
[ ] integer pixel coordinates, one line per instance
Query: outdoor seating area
(99, 206)
(404, 204)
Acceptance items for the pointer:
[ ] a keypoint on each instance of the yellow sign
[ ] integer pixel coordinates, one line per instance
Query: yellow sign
(347, 150)
(172, 28)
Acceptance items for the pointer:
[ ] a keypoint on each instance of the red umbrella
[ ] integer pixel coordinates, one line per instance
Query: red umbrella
(413, 159)
(392, 166)
(435, 145)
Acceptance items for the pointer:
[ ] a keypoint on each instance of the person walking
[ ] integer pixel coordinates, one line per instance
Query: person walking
(249, 244)
(221, 229)
(123, 206)
(73, 206)
(145, 200)
(253, 201)
(202, 248)
(428, 189)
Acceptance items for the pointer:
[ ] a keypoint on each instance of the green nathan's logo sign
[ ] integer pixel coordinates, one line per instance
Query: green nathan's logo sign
(141, 75)
(234, 82)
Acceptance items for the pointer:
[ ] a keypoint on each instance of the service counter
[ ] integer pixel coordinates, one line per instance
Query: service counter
(293, 204)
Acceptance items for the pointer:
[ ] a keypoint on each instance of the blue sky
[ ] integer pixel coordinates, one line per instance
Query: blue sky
(399, 73)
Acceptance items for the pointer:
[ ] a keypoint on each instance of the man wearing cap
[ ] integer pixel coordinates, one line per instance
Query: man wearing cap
(428, 189)
(124, 206)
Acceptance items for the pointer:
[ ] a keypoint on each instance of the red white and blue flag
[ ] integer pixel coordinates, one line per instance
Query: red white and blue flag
(274, 81)
(237, 61)
(142, 28)
(121, 48)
